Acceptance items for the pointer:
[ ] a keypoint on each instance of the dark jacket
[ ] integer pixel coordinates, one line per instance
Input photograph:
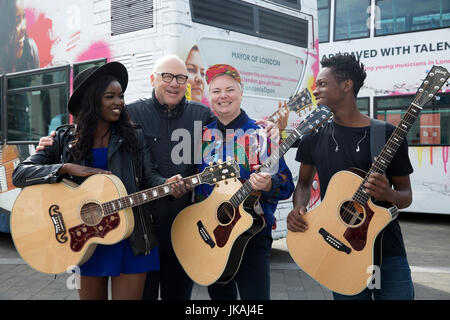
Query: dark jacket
(43, 167)
(174, 136)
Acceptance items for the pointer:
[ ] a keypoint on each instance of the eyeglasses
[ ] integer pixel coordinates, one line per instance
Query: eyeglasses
(168, 77)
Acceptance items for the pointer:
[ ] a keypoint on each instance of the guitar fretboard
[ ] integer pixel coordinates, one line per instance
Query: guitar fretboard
(144, 196)
(297, 133)
(431, 85)
(389, 150)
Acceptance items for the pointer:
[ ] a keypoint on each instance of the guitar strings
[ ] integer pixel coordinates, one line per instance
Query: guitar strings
(349, 212)
(361, 196)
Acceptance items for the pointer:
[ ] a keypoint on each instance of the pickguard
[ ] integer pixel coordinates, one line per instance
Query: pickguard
(222, 233)
(357, 237)
(80, 234)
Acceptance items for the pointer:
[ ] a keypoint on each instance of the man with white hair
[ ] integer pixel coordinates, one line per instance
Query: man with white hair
(166, 111)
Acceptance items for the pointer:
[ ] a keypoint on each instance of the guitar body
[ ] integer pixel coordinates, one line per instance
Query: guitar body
(209, 237)
(56, 226)
(337, 249)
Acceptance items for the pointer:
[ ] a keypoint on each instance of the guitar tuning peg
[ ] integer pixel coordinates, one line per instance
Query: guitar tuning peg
(220, 161)
(228, 158)
(210, 163)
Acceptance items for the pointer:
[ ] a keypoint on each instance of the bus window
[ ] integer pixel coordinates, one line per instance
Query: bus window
(81, 66)
(34, 99)
(431, 127)
(397, 16)
(351, 19)
(363, 105)
(323, 12)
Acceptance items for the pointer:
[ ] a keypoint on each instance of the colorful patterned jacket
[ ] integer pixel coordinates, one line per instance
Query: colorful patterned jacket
(249, 147)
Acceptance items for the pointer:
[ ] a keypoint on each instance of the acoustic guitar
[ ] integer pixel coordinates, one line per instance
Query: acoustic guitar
(297, 103)
(209, 237)
(337, 249)
(57, 226)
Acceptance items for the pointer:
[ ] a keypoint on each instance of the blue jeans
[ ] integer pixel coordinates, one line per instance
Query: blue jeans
(396, 282)
(253, 278)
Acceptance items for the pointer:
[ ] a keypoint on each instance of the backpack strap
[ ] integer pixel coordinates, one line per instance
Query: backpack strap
(377, 137)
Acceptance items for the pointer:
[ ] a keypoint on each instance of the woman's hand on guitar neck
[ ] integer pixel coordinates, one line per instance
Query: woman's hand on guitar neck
(283, 112)
(80, 171)
(295, 220)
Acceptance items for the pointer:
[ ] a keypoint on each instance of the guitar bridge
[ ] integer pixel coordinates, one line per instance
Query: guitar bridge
(205, 235)
(335, 243)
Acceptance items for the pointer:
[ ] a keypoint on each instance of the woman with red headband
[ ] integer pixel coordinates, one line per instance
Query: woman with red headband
(233, 134)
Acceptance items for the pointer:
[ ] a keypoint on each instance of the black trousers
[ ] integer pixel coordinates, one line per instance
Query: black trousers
(253, 277)
(171, 282)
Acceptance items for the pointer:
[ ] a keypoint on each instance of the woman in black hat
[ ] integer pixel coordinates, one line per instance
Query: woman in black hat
(104, 140)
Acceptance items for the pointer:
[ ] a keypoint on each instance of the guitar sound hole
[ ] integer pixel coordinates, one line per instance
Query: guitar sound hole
(225, 213)
(91, 213)
(352, 213)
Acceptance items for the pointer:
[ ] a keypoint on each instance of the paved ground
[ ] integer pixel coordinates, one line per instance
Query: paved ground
(427, 240)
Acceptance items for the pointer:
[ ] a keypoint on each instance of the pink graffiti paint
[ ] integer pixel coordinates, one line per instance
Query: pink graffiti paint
(97, 50)
(316, 64)
(431, 155)
(40, 29)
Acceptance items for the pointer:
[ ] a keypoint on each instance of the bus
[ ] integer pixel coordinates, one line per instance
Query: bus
(399, 41)
(273, 44)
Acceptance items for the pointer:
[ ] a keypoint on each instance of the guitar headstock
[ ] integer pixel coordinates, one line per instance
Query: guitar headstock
(300, 101)
(315, 119)
(221, 171)
(297, 103)
(434, 81)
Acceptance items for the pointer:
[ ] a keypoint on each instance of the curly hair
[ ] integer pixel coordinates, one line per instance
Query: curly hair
(346, 67)
(87, 120)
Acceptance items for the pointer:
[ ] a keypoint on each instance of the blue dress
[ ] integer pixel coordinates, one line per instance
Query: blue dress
(112, 260)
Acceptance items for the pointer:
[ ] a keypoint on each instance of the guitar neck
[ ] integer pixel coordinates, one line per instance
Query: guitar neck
(434, 81)
(389, 150)
(270, 162)
(396, 139)
(145, 196)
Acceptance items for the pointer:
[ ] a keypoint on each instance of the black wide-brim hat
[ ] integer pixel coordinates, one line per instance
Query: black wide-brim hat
(85, 78)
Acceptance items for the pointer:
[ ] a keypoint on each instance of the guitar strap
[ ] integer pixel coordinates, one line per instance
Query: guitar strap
(377, 137)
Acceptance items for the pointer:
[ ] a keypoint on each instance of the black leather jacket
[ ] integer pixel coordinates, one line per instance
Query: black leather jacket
(43, 167)
(174, 137)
